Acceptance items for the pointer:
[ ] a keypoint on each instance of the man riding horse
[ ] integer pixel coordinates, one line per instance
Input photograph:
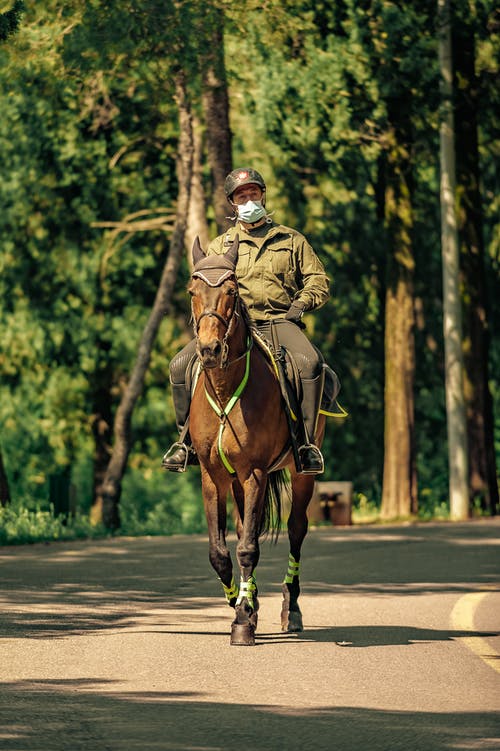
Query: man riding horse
(280, 277)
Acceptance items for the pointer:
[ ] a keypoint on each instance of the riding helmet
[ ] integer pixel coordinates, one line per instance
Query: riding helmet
(242, 176)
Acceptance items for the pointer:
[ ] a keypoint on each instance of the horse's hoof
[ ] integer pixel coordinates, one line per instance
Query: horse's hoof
(292, 621)
(242, 635)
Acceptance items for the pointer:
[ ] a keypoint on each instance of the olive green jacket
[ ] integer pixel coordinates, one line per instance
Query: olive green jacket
(276, 266)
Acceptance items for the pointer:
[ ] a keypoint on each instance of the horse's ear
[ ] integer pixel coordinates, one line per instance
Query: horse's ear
(198, 252)
(232, 253)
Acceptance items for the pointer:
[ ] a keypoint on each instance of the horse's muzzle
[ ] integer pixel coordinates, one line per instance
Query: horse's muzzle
(210, 353)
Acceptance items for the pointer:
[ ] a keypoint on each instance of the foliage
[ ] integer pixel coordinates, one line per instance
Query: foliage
(88, 137)
(19, 526)
(9, 21)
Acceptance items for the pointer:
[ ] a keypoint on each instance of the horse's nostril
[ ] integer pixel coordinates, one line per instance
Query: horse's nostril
(211, 350)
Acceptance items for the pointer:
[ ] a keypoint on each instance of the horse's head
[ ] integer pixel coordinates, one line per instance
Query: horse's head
(214, 299)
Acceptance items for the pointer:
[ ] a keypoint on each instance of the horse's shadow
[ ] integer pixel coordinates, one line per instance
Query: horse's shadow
(372, 636)
(355, 636)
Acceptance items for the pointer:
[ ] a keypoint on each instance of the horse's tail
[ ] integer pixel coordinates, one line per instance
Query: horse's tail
(277, 483)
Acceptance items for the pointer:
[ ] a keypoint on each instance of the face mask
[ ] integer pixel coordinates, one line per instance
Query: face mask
(251, 211)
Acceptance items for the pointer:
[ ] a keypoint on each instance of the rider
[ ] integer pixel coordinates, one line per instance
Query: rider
(279, 278)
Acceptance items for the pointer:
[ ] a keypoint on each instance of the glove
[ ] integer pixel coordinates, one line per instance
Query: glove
(295, 313)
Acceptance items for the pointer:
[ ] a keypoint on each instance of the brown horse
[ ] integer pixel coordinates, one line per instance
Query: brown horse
(240, 433)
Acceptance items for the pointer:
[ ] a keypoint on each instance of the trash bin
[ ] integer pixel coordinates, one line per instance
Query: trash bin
(331, 503)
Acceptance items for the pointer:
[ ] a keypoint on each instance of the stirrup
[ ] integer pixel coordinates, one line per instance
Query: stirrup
(321, 467)
(173, 448)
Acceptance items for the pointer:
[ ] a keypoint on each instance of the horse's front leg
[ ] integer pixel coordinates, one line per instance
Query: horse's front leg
(214, 500)
(248, 552)
(302, 490)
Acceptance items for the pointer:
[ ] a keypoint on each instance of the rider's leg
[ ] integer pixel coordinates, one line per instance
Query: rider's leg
(180, 453)
(310, 365)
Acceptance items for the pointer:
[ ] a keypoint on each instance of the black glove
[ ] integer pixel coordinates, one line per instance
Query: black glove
(295, 313)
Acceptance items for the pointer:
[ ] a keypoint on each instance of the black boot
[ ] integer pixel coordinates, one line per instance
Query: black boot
(310, 456)
(180, 454)
(178, 457)
(311, 460)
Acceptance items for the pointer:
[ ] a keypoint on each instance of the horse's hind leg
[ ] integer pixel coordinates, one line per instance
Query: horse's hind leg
(302, 489)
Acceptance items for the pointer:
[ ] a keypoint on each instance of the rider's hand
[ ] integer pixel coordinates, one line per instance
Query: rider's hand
(295, 313)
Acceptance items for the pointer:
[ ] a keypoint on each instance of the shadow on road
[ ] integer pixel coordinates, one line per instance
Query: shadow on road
(71, 588)
(82, 715)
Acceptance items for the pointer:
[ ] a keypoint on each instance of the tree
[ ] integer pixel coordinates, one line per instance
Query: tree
(215, 102)
(455, 403)
(399, 492)
(111, 486)
(479, 404)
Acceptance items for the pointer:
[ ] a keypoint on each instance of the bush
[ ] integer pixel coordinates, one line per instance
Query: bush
(21, 525)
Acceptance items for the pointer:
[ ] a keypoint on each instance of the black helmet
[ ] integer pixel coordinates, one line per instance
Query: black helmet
(242, 176)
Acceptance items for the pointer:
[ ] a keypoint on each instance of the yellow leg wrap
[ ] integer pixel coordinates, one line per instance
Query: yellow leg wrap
(293, 569)
(247, 589)
(231, 592)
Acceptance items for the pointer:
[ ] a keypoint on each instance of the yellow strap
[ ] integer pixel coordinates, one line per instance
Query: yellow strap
(293, 569)
(232, 591)
(341, 415)
(247, 589)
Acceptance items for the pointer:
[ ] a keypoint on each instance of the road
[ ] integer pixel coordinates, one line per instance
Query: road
(123, 644)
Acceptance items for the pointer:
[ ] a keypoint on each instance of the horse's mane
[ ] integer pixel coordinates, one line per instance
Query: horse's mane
(252, 329)
(258, 338)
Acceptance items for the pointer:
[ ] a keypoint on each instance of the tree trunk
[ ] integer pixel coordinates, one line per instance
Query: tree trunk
(101, 429)
(452, 314)
(399, 493)
(215, 102)
(4, 484)
(112, 485)
(479, 404)
(197, 225)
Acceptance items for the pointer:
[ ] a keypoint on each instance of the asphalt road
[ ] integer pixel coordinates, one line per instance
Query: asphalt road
(123, 644)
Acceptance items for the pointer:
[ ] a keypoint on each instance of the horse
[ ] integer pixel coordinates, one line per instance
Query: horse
(241, 435)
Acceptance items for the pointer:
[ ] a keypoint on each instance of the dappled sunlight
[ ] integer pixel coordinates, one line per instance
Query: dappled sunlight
(94, 713)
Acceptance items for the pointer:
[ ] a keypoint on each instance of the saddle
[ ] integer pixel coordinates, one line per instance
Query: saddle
(291, 386)
(280, 357)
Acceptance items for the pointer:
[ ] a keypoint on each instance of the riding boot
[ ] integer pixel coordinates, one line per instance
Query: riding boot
(180, 453)
(310, 456)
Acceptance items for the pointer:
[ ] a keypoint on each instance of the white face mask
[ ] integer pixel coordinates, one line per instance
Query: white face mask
(251, 211)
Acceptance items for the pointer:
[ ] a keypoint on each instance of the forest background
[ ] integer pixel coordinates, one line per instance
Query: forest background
(338, 105)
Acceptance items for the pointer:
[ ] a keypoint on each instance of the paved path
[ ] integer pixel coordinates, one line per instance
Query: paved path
(123, 644)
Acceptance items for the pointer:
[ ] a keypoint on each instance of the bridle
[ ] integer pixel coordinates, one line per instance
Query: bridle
(228, 324)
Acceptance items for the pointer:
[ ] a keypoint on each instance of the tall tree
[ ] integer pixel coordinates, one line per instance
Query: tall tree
(112, 483)
(215, 101)
(399, 491)
(479, 404)
(455, 403)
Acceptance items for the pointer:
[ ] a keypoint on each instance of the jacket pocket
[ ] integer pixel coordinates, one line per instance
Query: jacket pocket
(281, 262)
(243, 262)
